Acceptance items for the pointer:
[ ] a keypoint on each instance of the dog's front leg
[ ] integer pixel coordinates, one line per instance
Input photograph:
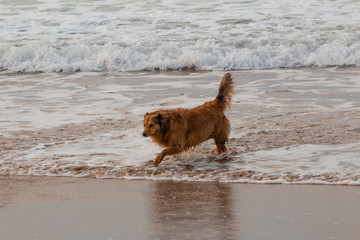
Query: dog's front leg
(167, 151)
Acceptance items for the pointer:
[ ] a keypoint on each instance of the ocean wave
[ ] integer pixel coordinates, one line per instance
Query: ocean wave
(111, 57)
(110, 35)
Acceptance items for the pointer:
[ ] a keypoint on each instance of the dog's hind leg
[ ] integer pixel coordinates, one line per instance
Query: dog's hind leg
(220, 145)
(221, 135)
(167, 151)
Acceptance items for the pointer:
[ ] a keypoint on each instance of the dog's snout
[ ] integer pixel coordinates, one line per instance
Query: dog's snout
(144, 134)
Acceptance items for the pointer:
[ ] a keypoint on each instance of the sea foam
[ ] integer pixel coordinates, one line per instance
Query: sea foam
(134, 36)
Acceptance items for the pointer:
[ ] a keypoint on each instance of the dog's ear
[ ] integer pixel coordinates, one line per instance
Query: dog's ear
(146, 114)
(164, 123)
(159, 117)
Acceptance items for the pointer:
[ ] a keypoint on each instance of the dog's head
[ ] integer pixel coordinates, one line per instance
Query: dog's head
(155, 125)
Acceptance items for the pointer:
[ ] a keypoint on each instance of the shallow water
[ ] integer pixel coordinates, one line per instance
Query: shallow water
(287, 126)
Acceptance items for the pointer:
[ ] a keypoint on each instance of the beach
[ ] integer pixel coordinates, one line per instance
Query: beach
(77, 78)
(85, 208)
(87, 173)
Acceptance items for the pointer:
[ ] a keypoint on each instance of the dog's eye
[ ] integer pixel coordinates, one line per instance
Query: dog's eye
(151, 125)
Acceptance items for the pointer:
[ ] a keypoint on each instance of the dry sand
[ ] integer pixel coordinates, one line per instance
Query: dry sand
(85, 208)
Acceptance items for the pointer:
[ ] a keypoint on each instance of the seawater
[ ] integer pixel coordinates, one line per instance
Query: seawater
(287, 126)
(71, 36)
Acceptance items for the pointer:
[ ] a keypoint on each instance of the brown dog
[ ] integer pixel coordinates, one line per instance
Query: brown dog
(180, 129)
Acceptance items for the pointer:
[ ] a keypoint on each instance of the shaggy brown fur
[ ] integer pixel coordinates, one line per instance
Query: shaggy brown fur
(180, 129)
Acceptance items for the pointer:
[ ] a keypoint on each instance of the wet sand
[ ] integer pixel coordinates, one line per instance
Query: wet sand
(86, 208)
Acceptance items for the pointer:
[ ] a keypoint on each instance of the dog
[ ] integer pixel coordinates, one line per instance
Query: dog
(180, 129)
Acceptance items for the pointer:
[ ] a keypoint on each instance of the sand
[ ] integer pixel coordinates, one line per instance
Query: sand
(85, 208)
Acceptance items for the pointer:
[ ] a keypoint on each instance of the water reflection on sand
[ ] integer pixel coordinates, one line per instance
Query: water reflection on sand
(191, 211)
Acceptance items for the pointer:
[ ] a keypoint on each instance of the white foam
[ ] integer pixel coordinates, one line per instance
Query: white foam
(133, 36)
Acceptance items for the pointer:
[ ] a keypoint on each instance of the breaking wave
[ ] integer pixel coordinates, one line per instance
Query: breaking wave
(110, 57)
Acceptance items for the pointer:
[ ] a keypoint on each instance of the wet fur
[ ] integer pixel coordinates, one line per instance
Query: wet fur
(180, 129)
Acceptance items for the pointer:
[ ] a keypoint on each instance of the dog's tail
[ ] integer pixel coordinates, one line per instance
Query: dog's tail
(226, 92)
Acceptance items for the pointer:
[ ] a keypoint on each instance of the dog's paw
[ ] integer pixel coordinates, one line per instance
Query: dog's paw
(212, 152)
(156, 161)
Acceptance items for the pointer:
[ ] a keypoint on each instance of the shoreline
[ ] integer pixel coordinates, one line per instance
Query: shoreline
(86, 208)
(172, 179)
(184, 71)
